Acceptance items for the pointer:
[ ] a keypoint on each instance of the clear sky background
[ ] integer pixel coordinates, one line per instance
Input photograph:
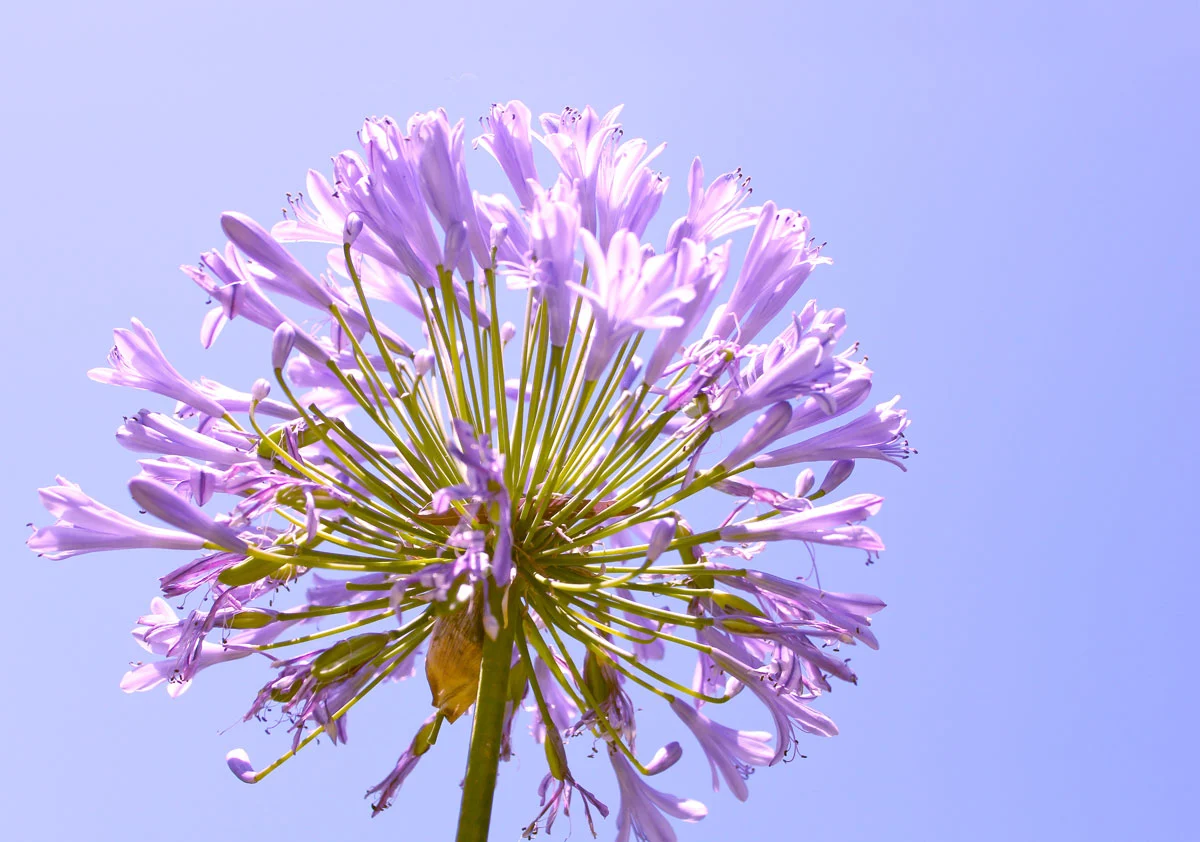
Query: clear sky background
(1009, 193)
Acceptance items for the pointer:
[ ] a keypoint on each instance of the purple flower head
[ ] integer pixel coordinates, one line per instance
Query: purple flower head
(507, 501)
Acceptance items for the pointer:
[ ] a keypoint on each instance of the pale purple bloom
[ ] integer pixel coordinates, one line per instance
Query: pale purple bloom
(730, 752)
(835, 524)
(153, 432)
(628, 290)
(879, 434)
(577, 140)
(789, 709)
(445, 189)
(234, 401)
(703, 272)
(628, 192)
(562, 709)
(640, 815)
(715, 211)
(385, 190)
(231, 282)
(510, 141)
(485, 485)
(550, 268)
(797, 363)
(184, 652)
(779, 259)
(138, 362)
(83, 525)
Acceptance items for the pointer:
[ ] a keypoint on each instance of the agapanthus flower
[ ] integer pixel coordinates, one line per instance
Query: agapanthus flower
(509, 500)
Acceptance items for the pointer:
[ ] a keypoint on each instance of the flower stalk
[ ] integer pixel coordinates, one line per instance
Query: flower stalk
(483, 759)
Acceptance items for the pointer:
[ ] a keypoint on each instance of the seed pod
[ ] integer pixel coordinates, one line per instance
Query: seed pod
(452, 663)
(251, 619)
(733, 603)
(347, 655)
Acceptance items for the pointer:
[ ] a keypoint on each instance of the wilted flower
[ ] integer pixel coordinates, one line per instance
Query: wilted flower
(506, 500)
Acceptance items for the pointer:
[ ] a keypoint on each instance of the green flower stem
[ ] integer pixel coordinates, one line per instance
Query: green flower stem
(483, 761)
(497, 360)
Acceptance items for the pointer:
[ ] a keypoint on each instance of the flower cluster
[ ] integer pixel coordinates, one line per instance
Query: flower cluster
(507, 501)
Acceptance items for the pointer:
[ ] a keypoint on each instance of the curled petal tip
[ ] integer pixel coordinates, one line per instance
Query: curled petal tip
(239, 764)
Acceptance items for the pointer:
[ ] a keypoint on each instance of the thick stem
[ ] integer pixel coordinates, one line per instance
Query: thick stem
(484, 758)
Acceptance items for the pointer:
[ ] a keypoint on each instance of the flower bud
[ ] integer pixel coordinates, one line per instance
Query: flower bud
(664, 758)
(354, 226)
(497, 235)
(660, 537)
(345, 656)
(260, 390)
(456, 246)
(766, 428)
(507, 331)
(838, 473)
(282, 344)
(239, 764)
(805, 480)
(423, 361)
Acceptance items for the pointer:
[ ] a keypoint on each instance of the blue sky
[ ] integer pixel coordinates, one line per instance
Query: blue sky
(1008, 192)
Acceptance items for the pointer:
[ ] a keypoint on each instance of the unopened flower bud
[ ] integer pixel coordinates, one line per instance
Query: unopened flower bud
(660, 537)
(260, 390)
(766, 428)
(838, 473)
(507, 331)
(345, 656)
(805, 480)
(282, 344)
(354, 226)
(497, 235)
(664, 758)
(456, 246)
(423, 361)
